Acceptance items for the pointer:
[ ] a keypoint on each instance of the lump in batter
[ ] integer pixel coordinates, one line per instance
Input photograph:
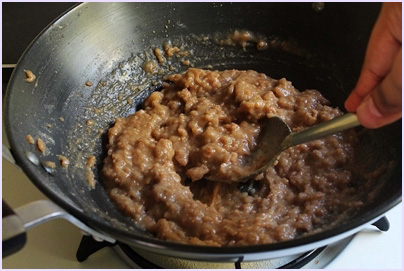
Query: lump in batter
(159, 54)
(30, 76)
(89, 171)
(207, 121)
(64, 161)
(30, 139)
(150, 66)
(41, 146)
(243, 38)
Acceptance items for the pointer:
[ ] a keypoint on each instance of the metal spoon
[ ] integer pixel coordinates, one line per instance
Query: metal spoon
(276, 136)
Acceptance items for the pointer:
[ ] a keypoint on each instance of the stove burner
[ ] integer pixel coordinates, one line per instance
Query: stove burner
(144, 263)
(136, 258)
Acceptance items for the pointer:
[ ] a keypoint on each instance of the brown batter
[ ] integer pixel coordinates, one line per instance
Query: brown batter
(206, 121)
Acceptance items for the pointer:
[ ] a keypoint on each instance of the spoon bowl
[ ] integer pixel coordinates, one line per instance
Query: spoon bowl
(276, 136)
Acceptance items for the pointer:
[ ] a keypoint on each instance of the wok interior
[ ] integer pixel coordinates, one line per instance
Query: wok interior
(108, 45)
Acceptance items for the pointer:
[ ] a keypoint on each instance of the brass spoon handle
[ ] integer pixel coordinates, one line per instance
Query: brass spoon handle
(333, 126)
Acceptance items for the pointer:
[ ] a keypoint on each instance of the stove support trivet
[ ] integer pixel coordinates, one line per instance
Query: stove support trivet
(88, 246)
(138, 259)
(303, 259)
(144, 263)
(382, 224)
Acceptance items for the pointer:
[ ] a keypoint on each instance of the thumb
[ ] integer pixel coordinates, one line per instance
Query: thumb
(383, 105)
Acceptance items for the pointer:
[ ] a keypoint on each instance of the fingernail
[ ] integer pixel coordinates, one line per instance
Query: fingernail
(352, 102)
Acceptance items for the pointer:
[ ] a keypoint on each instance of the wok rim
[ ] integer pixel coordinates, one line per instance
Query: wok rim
(153, 243)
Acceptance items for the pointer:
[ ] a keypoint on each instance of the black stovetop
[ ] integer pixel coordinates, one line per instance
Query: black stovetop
(22, 22)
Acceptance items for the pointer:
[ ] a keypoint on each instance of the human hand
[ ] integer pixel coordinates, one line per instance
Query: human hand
(377, 97)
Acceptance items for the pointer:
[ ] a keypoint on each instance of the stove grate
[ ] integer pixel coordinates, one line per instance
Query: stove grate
(134, 258)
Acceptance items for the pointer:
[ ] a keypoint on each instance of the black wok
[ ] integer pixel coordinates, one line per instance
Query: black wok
(107, 44)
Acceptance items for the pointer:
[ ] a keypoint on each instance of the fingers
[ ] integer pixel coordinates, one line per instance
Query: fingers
(384, 103)
(384, 44)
